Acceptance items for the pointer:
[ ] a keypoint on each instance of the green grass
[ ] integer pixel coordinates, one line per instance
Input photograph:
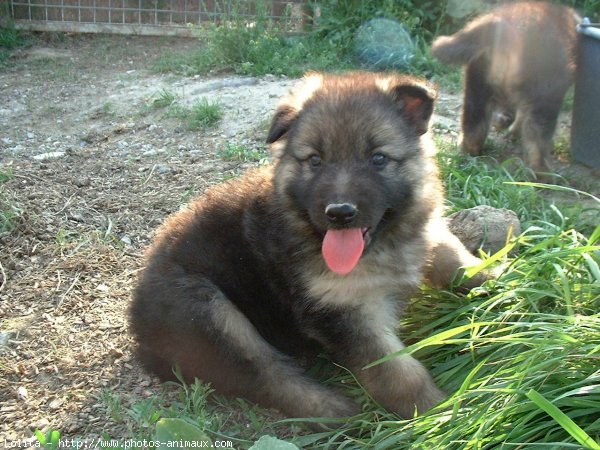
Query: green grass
(264, 48)
(202, 114)
(247, 51)
(235, 152)
(163, 99)
(10, 38)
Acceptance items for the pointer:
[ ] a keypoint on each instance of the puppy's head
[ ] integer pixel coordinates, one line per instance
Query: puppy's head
(350, 156)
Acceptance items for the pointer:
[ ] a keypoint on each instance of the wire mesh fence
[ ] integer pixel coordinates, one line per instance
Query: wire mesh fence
(147, 16)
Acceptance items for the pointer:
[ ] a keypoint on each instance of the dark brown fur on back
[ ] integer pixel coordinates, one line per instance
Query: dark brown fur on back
(518, 58)
(236, 291)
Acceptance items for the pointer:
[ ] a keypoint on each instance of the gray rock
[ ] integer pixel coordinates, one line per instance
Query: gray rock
(164, 169)
(484, 227)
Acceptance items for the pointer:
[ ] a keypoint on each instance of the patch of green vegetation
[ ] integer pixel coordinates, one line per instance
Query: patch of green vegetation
(448, 78)
(10, 37)
(5, 174)
(562, 146)
(587, 8)
(235, 152)
(257, 50)
(262, 47)
(202, 114)
(188, 195)
(65, 237)
(114, 405)
(568, 101)
(163, 99)
(54, 69)
(108, 109)
(49, 440)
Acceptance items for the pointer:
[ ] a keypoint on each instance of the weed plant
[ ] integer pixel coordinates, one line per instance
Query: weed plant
(10, 38)
(202, 114)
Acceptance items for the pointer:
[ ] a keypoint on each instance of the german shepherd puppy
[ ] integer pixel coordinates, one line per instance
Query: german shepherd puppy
(317, 252)
(518, 58)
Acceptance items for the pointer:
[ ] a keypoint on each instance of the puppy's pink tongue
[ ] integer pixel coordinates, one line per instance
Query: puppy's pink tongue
(342, 249)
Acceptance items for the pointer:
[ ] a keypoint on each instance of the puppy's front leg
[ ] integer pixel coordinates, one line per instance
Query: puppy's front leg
(364, 335)
(448, 256)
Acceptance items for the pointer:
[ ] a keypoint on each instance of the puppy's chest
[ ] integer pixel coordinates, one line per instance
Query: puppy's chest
(383, 277)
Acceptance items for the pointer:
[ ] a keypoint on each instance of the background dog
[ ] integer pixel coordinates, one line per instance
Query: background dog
(316, 252)
(519, 58)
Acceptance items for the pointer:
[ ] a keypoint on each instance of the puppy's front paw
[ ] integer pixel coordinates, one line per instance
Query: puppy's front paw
(428, 396)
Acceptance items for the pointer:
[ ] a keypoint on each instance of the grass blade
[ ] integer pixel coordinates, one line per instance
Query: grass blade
(563, 420)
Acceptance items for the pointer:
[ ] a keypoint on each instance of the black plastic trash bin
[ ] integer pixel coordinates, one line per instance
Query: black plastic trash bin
(585, 126)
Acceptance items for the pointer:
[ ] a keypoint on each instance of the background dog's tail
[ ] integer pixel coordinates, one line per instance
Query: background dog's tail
(465, 45)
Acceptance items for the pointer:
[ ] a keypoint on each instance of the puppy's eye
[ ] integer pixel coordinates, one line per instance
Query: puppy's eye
(314, 160)
(379, 160)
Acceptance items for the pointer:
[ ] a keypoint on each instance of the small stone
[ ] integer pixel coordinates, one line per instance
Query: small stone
(484, 227)
(102, 288)
(82, 181)
(55, 403)
(41, 424)
(76, 217)
(5, 337)
(22, 393)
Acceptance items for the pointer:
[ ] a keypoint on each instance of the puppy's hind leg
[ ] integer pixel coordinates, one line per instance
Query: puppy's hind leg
(208, 337)
(278, 380)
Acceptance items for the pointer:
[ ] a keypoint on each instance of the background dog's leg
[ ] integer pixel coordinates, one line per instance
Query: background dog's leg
(514, 130)
(477, 109)
(537, 132)
(210, 338)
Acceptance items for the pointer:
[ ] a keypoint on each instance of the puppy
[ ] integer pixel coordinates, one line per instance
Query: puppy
(317, 252)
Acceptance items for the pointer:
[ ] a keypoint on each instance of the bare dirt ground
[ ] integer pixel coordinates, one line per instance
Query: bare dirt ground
(95, 171)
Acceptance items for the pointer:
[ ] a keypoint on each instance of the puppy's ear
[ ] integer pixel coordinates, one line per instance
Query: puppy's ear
(415, 101)
(291, 105)
(281, 123)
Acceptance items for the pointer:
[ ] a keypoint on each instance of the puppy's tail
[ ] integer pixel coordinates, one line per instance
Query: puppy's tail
(466, 45)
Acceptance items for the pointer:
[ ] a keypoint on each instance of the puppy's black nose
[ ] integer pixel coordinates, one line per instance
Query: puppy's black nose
(341, 213)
